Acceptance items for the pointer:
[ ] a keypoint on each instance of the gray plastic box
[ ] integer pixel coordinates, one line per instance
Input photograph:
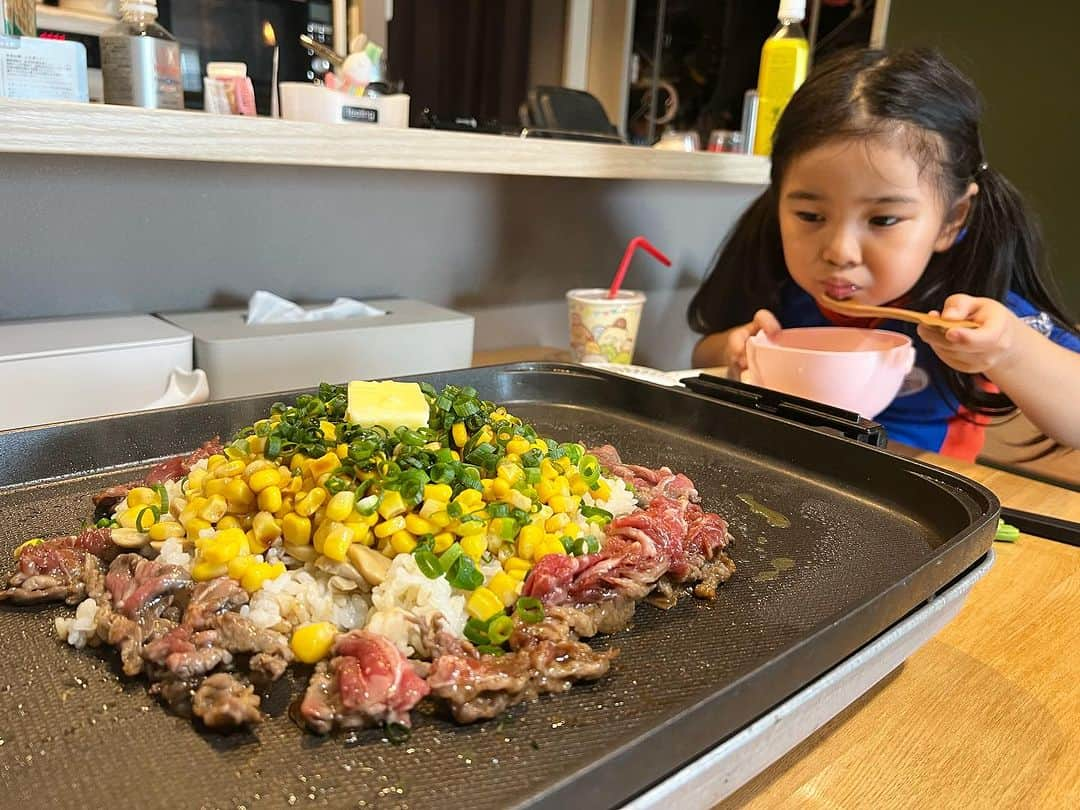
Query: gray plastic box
(413, 337)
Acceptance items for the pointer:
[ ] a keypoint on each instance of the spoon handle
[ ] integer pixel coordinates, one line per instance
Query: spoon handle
(895, 313)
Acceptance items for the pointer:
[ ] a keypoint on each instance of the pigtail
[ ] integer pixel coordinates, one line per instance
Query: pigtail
(747, 271)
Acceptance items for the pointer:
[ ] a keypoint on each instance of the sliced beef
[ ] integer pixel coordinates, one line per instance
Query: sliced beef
(58, 568)
(186, 655)
(210, 598)
(141, 589)
(222, 702)
(171, 469)
(646, 483)
(368, 682)
(545, 657)
(238, 634)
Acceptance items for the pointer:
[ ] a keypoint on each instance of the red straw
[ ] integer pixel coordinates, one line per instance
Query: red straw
(624, 265)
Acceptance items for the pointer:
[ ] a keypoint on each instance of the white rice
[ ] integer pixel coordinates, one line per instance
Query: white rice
(172, 553)
(80, 627)
(306, 595)
(621, 502)
(408, 595)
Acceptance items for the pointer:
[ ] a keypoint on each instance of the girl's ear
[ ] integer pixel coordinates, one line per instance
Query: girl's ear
(957, 216)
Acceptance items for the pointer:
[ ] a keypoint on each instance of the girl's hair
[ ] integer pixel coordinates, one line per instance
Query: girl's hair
(919, 96)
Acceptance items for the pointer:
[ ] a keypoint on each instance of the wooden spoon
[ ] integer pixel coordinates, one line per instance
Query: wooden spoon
(893, 313)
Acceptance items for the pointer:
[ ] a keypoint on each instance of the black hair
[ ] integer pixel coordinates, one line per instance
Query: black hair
(919, 95)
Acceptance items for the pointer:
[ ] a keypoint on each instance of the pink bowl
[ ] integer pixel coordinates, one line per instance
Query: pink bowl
(855, 369)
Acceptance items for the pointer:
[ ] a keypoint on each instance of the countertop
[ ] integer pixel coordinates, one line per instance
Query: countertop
(99, 130)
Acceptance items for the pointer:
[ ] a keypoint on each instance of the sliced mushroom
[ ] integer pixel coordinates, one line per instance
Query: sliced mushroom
(372, 565)
(304, 554)
(338, 569)
(129, 538)
(342, 584)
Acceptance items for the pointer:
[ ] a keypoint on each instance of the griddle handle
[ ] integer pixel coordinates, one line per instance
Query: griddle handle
(1050, 528)
(795, 409)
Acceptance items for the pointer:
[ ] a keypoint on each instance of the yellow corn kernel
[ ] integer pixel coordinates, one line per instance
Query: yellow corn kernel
(470, 528)
(293, 485)
(391, 504)
(500, 488)
(417, 525)
(512, 458)
(578, 486)
(202, 571)
(239, 495)
(545, 489)
(459, 434)
(224, 546)
(195, 480)
(474, 545)
(438, 492)
(518, 574)
(228, 522)
(564, 464)
(313, 642)
(517, 445)
(602, 491)
(549, 545)
(297, 461)
(257, 574)
(571, 529)
(527, 541)
(163, 531)
(141, 496)
(483, 604)
(266, 529)
(519, 500)
(337, 541)
(440, 520)
(516, 564)
(319, 537)
(215, 461)
(214, 509)
(564, 503)
(269, 499)
(256, 444)
(388, 527)
(539, 444)
(195, 526)
(402, 542)
(342, 450)
(505, 587)
(361, 532)
(469, 497)
(443, 541)
(127, 518)
(261, 479)
(341, 505)
(297, 529)
(431, 506)
(234, 453)
(329, 432)
(215, 486)
(230, 469)
(309, 504)
(324, 464)
(548, 471)
(484, 436)
(238, 566)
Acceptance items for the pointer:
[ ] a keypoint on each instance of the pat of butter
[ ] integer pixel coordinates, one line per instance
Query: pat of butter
(387, 404)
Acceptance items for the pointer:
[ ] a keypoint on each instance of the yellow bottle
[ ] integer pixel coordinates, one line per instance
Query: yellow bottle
(784, 61)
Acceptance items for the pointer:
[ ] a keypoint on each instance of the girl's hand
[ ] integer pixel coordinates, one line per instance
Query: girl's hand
(974, 351)
(764, 321)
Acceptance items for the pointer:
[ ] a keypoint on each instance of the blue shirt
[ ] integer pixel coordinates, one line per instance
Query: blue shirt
(924, 414)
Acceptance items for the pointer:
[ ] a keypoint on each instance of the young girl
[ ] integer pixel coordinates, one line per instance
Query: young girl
(881, 194)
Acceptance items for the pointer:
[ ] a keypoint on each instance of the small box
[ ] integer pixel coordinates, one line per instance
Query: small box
(56, 369)
(43, 69)
(303, 101)
(413, 337)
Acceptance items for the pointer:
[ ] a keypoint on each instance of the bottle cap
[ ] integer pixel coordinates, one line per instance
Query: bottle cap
(148, 7)
(792, 10)
(226, 70)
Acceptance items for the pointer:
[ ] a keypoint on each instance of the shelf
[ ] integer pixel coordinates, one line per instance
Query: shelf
(51, 18)
(96, 130)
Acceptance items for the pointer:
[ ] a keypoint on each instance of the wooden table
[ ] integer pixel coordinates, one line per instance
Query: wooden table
(985, 715)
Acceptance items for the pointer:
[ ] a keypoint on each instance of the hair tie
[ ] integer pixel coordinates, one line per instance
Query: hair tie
(983, 167)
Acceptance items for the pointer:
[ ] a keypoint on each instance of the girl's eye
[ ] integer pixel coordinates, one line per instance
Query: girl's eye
(884, 221)
(809, 216)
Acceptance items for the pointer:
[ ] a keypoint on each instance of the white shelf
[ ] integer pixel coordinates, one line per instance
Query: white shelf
(97, 130)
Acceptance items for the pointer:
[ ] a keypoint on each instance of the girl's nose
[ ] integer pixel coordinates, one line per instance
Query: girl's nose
(842, 248)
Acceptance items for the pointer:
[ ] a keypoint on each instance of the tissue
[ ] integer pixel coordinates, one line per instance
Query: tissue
(265, 307)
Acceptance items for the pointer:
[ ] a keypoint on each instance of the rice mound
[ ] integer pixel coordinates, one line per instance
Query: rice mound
(407, 597)
(306, 595)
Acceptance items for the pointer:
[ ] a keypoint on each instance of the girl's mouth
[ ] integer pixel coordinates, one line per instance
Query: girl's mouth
(840, 290)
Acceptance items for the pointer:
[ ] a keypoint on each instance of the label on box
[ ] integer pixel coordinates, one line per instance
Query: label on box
(42, 69)
(365, 115)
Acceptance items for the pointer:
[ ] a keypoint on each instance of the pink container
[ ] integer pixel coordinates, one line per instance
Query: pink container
(855, 369)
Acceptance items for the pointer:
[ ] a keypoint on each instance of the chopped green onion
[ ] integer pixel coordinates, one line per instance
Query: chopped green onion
(529, 609)
(499, 510)
(476, 631)
(104, 523)
(442, 473)
(450, 556)
(530, 459)
(397, 733)
(334, 484)
(573, 451)
(464, 575)
(163, 497)
(508, 528)
(427, 562)
(273, 447)
(532, 475)
(500, 628)
(589, 469)
(595, 514)
(155, 514)
(454, 509)
(567, 543)
(366, 506)
(490, 649)
(444, 456)
(1006, 533)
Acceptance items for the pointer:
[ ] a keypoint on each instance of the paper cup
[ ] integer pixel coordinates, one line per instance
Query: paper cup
(604, 330)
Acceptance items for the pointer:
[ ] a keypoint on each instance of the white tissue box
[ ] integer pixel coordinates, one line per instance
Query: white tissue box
(301, 101)
(56, 369)
(413, 337)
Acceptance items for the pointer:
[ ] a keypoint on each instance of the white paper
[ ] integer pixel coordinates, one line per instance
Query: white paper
(265, 307)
